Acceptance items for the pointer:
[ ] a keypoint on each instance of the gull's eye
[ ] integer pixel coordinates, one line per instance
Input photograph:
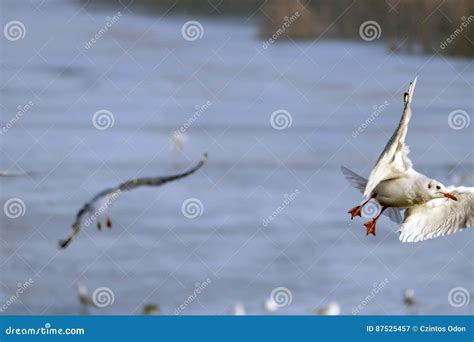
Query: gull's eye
(438, 187)
(429, 186)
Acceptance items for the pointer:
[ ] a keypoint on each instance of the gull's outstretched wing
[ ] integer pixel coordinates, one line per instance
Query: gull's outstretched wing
(125, 186)
(394, 161)
(359, 182)
(439, 217)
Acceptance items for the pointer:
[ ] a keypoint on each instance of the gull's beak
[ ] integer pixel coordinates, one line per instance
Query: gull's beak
(449, 195)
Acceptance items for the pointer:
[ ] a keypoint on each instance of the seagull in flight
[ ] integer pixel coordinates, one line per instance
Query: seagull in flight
(393, 182)
(93, 208)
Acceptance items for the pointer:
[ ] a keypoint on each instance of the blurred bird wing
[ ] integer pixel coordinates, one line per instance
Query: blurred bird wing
(393, 161)
(439, 217)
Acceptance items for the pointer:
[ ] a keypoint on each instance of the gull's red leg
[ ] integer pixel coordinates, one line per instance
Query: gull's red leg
(357, 211)
(371, 225)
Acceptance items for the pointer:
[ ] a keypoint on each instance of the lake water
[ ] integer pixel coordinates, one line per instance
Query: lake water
(151, 79)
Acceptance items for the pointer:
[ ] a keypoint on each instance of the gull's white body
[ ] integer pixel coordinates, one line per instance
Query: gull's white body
(402, 192)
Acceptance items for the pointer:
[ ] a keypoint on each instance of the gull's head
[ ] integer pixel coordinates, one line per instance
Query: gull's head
(436, 189)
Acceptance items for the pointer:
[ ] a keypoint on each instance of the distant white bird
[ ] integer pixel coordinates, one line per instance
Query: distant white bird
(393, 182)
(178, 139)
(440, 216)
(332, 309)
(83, 294)
(409, 297)
(85, 299)
(93, 208)
(238, 310)
(270, 306)
(12, 174)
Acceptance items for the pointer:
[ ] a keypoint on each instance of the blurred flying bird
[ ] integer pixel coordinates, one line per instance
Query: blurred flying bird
(94, 209)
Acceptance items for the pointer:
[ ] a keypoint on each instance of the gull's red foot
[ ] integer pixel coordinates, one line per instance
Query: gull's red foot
(108, 222)
(370, 226)
(356, 211)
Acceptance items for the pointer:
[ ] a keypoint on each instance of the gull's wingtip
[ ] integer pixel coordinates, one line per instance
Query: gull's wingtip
(408, 96)
(413, 83)
(64, 243)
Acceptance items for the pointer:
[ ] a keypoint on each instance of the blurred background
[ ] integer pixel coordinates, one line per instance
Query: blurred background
(280, 94)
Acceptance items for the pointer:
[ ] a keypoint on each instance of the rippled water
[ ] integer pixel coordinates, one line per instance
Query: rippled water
(151, 80)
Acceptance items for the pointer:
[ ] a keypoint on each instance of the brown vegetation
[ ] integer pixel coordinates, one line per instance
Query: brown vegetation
(444, 26)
